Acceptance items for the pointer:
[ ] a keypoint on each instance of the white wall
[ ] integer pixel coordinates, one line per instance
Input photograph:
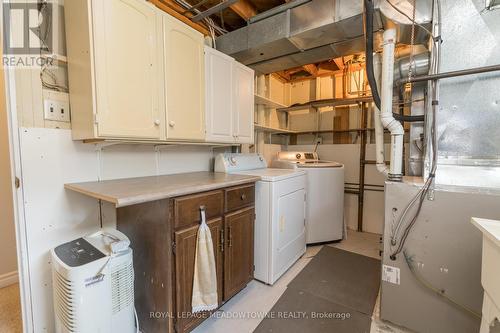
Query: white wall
(55, 215)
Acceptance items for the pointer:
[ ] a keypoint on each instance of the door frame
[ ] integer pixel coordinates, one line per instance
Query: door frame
(8, 76)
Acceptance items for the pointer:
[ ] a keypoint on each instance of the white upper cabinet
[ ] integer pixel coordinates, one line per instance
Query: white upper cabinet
(229, 99)
(135, 73)
(185, 81)
(126, 67)
(219, 102)
(243, 103)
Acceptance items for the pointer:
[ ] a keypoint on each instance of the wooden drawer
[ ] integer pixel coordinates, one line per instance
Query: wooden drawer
(239, 197)
(187, 208)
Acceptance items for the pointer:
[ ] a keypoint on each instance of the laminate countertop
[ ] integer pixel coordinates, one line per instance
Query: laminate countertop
(131, 191)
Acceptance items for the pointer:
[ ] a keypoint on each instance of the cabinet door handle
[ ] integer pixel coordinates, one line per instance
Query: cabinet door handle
(171, 123)
(221, 240)
(229, 237)
(243, 196)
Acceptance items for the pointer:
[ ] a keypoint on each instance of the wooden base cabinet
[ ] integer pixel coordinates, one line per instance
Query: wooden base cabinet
(238, 255)
(164, 273)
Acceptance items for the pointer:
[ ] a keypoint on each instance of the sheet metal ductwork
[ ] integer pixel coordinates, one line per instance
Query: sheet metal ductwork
(315, 31)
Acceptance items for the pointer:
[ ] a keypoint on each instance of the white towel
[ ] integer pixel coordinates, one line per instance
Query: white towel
(205, 279)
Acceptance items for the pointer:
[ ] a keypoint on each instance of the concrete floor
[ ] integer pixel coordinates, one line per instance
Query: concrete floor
(256, 298)
(10, 310)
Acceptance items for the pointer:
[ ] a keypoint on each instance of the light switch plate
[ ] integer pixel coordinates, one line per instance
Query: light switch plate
(56, 106)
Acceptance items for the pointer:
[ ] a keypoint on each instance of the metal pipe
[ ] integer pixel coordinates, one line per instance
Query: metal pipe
(445, 75)
(212, 10)
(362, 158)
(277, 10)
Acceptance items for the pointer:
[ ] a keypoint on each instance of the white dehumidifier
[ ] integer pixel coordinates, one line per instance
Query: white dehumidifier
(93, 284)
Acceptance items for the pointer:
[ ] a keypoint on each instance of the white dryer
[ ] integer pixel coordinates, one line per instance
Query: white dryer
(325, 194)
(280, 213)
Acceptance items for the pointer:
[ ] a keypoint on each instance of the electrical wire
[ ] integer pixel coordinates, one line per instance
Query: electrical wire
(208, 21)
(137, 330)
(439, 292)
(45, 70)
(422, 193)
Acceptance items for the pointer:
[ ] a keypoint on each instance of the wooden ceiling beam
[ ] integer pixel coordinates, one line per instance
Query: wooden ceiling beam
(339, 62)
(311, 69)
(244, 9)
(168, 7)
(282, 76)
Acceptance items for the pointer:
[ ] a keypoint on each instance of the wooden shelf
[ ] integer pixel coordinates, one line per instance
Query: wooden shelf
(273, 130)
(261, 100)
(327, 102)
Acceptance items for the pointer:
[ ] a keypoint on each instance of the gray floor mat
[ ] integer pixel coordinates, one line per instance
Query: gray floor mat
(341, 277)
(307, 308)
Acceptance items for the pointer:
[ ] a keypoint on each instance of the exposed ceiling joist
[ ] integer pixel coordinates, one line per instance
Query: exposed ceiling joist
(244, 9)
(311, 69)
(282, 76)
(214, 9)
(339, 62)
(170, 7)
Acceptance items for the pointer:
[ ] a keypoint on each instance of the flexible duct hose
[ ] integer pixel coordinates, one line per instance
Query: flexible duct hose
(369, 9)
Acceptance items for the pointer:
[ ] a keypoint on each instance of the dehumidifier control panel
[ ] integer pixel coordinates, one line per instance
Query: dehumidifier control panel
(78, 253)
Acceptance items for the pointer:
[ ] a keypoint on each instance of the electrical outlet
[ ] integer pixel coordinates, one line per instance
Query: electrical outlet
(56, 107)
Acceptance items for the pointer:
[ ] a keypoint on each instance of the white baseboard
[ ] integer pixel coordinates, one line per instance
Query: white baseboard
(8, 279)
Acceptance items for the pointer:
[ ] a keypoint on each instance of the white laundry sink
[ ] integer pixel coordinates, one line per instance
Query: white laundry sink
(490, 271)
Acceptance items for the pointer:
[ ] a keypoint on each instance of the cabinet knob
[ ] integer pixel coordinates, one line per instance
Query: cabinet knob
(171, 123)
(243, 196)
(157, 122)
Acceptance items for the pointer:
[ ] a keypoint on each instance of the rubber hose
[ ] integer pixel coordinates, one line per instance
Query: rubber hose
(369, 9)
(408, 119)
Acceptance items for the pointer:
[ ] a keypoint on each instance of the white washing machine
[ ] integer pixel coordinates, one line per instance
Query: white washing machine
(280, 213)
(325, 194)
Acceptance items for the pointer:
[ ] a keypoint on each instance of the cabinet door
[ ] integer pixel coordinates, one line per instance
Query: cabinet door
(184, 257)
(185, 81)
(219, 99)
(126, 53)
(243, 103)
(238, 254)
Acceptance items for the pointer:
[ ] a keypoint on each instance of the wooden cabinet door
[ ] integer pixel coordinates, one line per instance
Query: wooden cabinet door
(185, 81)
(219, 96)
(238, 253)
(127, 82)
(243, 103)
(185, 251)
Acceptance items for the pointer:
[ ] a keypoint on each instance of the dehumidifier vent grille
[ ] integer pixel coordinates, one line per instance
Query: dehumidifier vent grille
(64, 300)
(122, 286)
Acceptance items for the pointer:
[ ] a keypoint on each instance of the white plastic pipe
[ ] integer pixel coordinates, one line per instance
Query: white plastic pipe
(386, 91)
(379, 128)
